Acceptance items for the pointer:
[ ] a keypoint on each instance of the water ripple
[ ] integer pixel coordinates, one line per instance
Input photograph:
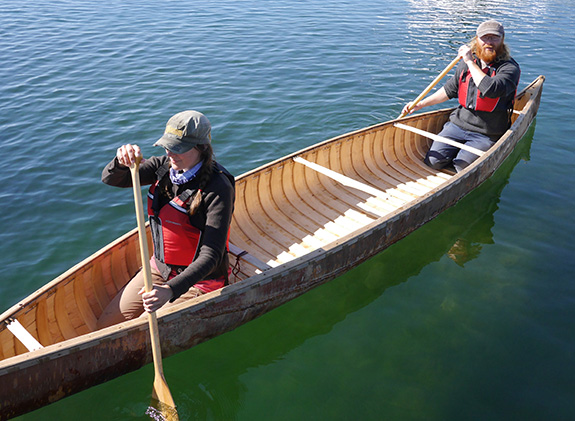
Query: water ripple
(79, 78)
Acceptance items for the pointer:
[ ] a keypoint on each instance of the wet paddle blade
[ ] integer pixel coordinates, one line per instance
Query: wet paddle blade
(161, 394)
(161, 411)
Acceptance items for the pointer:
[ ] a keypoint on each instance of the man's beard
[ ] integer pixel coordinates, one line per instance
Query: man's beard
(488, 56)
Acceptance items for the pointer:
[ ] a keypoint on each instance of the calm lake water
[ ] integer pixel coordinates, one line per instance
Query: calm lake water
(414, 333)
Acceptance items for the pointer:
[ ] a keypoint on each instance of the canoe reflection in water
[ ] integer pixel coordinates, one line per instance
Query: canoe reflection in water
(484, 203)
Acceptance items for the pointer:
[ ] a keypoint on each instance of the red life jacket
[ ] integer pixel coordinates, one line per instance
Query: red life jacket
(176, 240)
(479, 103)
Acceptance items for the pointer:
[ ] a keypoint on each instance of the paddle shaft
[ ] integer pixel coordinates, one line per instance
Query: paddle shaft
(431, 85)
(161, 389)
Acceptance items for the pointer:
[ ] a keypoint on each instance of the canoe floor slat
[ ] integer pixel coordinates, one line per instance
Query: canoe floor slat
(280, 235)
(384, 170)
(340, 222)
(363, 166)
(73, 313)
(292, 206)
(401, 164)
(324, 202)
(354, 166)
(309, 240)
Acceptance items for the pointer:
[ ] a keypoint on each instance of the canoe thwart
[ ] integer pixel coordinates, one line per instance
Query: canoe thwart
(23, 335)
(243, 254)
(438, 138)
(343, 179)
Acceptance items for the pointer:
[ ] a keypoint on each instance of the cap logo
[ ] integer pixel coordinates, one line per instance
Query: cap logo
(174, 131)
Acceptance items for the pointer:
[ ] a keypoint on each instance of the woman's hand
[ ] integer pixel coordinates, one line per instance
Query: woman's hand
(156, 298)
(127, 154)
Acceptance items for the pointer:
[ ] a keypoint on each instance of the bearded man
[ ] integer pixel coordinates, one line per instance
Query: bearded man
(485, 83)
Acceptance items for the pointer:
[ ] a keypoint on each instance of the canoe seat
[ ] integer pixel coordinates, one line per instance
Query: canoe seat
(23, 335)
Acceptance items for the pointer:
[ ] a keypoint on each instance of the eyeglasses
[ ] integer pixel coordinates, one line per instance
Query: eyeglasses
(490, 38)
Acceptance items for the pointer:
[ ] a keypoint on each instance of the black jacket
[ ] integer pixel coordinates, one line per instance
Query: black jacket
(213, 217)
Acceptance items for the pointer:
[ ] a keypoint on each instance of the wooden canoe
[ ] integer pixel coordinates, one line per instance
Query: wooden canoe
(299, 221)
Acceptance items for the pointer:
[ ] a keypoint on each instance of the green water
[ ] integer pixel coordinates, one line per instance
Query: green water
(425, 330)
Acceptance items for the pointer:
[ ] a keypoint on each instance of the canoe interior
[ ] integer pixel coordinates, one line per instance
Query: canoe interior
(284, 210)
(288, 209)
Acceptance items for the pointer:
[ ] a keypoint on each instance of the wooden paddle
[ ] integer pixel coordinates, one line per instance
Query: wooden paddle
(160, 393)
(431, 85)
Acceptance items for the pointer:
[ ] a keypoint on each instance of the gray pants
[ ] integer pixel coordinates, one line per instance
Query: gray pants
(441, 155)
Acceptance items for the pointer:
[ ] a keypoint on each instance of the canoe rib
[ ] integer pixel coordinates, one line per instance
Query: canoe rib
(293, 229)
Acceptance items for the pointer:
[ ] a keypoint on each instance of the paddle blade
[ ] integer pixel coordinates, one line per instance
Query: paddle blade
(162, 407)
(160, 412)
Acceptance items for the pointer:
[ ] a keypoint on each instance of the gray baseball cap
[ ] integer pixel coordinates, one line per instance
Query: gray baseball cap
(185, 131)
(490, 27)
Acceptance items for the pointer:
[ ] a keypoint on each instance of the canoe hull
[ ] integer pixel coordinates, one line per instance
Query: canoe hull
(34, 379)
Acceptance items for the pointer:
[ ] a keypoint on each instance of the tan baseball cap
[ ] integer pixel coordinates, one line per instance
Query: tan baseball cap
(491, 27)
(185, 131)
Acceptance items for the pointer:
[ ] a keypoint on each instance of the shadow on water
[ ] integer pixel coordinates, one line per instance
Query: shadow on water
(206, 381)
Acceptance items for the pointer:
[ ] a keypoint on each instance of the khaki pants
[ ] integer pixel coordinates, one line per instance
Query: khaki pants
(127, 304)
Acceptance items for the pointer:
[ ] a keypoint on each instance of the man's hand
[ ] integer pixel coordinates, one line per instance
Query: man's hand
(465, 53)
